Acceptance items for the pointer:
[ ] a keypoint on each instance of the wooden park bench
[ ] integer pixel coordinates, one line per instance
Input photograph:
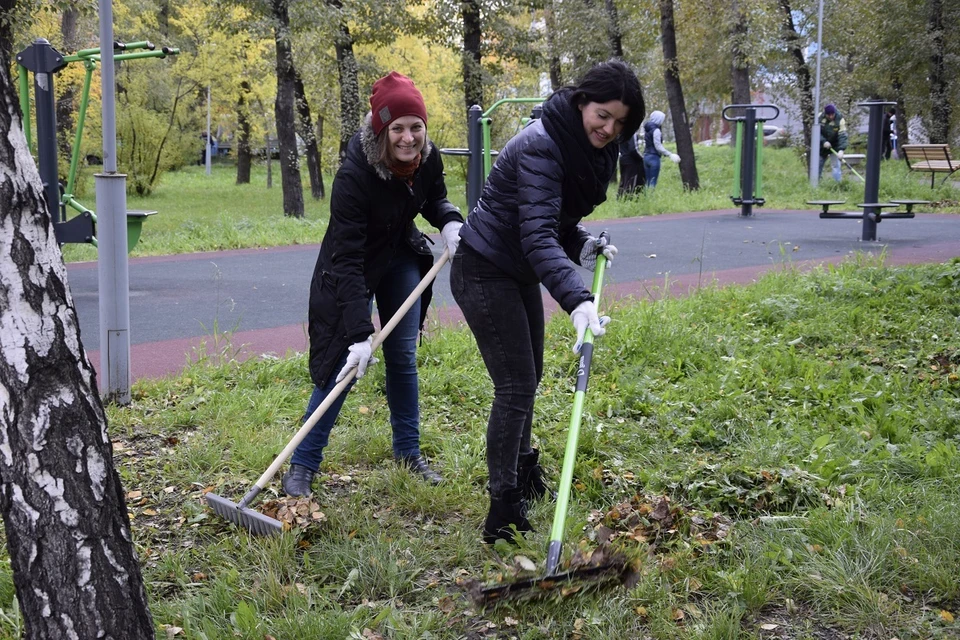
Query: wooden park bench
(934, 158)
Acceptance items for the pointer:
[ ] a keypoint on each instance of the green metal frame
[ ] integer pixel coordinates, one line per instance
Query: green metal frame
(485, 121)
(90, 58)
(758, 169)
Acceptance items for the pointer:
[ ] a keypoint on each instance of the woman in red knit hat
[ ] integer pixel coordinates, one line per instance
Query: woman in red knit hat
(373, 251)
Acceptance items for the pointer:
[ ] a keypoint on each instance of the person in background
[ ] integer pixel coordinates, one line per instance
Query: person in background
(525, 231)
(631, 168)
(373, 250)
(889, 135)
(653, 148)
(833, 135)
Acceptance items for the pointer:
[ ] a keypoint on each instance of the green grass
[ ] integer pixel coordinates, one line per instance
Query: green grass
(817, 414)
(207, 213)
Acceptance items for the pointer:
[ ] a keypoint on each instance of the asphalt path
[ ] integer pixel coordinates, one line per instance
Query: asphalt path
(181, 306)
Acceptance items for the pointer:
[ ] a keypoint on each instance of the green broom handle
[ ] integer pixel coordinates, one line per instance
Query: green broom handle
(573, 434)
(343, 384)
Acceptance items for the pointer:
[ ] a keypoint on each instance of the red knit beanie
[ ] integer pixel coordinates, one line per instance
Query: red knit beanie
(395, 96)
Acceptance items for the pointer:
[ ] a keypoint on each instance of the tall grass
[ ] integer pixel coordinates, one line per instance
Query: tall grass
(818, 414)
(206, 213)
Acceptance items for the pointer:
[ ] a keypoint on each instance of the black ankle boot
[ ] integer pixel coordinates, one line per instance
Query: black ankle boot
(297, 481)
(505, 510)
(530, 478)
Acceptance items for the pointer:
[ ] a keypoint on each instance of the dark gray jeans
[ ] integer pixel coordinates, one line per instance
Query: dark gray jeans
(506, 318)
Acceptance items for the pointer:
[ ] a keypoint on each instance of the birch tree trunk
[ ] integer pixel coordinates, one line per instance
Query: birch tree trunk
(795, 48)
(74, 566)
(350, 110)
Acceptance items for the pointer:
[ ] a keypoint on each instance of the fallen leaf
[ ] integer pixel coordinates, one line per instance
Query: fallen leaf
(525, 563)
(133, 495)
(769, 626)
(946, 616)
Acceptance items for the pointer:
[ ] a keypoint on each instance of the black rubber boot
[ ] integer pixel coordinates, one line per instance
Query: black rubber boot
(506, 510)
(297, 481)
(530, 478)
(418, 465)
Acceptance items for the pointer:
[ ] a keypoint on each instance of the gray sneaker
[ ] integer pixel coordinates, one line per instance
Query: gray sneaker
(297, 481)
(418, 465)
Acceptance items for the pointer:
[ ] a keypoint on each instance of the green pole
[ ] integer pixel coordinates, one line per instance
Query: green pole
(573, 434)
(25, 103)
(81, 117)
(735, 192)
(487, 164)
(758, 189)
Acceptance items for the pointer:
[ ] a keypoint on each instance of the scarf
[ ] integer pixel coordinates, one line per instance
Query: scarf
(586, 170)
(405, 170)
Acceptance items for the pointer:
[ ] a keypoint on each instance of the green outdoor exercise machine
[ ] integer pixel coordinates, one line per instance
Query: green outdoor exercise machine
(480, 155)
(747, 189)
(44, 62)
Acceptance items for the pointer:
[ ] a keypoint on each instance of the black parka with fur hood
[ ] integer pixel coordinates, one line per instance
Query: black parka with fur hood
(371, 213)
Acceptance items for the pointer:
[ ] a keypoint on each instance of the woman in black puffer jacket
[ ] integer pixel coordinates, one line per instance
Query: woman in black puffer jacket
(526, 231)
(372, 249)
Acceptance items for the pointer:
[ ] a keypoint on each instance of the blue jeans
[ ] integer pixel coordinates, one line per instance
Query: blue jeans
(651, 167)
(400, 359)
(506, 318)
(836, 166)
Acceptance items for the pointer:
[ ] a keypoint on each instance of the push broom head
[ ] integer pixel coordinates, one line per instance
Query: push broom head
(251, 520)
(602, 568)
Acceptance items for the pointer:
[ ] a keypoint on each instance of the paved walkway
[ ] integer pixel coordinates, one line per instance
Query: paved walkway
(178, 303)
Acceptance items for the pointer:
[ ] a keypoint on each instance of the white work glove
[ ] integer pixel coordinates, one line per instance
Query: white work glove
(826, 144)
(593, 246)
(585, 317)
(361, 356)
(451, 236)
(840, 154)
(675, 158)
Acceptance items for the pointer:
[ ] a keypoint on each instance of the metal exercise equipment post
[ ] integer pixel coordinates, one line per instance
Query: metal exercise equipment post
(35, 58)
(871, 189)
(747, 178)
(478, 141)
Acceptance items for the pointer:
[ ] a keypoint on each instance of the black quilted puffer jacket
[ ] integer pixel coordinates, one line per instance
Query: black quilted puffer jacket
(371, 213)
(521, 224)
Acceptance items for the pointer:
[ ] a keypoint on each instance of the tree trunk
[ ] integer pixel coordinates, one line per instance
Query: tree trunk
(556, 78)
(305, 128)
(938, 124)
(678, 108)
(68, 536)
(285, 110)
(740, 65)
(795, 48)
(613, 30)
(472, 73)
(65, 104)
(351, 113)
(903, 134)
(244, 153)
(319, 157)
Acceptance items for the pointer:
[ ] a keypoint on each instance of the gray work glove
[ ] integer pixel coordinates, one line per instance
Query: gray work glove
(592, 247)
(585, 317)
(361, 356)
